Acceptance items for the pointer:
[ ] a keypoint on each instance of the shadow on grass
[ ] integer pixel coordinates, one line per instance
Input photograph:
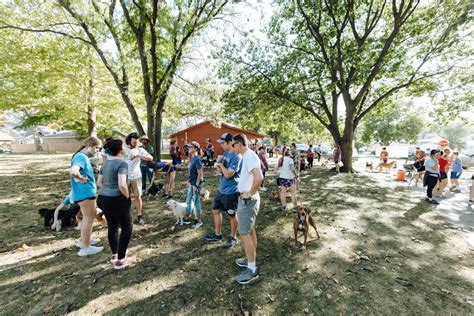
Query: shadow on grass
(373, 258)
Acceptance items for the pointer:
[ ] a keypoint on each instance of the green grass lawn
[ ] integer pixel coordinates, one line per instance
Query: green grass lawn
(382, 251)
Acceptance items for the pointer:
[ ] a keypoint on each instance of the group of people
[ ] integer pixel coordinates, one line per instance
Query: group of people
(436, 167)
(120, 181)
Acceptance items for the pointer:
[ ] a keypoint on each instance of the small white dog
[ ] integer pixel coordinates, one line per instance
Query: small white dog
(179, 210)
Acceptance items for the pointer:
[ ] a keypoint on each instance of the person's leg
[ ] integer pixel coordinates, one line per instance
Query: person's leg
(431, 182)
(137, 200)
(189, 202)
(88, 212)
(143, 169)
(107, 206)
(124, 218)
(293, 194)
(171, 181)
(249, 246)
(217, 221)
(197, 203)
(283, 196)
(233, 226)
(337, 167)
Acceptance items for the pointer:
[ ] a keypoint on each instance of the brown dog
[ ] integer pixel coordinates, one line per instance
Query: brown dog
(389, 166)
(301, 223)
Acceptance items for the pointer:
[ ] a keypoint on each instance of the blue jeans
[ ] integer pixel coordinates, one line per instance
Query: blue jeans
(194, 199)
(146, 173)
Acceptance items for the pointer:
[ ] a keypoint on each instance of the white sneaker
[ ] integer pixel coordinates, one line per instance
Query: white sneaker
(92, 241)
(91, 250)
(263, 189)
(197, 225)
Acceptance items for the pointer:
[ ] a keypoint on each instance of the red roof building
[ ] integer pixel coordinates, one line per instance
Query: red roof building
(200, 132)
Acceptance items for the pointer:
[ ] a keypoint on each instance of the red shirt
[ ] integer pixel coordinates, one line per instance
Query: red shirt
(442, 162)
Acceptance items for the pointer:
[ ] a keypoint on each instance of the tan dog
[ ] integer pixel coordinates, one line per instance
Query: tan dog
(301, 223)
(389, 166)
(417, 176)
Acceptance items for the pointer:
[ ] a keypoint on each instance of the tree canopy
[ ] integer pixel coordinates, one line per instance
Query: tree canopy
(339, 60)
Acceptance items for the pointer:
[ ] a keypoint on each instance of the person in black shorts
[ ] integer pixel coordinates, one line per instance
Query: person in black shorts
(227, 196)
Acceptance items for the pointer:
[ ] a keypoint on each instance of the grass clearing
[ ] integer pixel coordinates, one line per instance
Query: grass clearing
(382, 251)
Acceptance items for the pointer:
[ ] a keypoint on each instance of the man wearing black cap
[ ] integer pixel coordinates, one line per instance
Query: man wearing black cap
(227, 196)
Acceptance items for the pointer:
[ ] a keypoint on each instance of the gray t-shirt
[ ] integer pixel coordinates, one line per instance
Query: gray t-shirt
(110, 171)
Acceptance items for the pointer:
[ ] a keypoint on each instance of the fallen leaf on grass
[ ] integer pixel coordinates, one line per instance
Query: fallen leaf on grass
(48, 309)
(271, 297)
(23, 248)
(403, 282)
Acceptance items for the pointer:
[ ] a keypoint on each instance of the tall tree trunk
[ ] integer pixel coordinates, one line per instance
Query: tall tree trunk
(91, 120)
(158, 124)
(346, 153)
(91, 110)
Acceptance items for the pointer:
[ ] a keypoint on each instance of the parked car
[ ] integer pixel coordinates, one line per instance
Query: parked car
(467, 162)
(302, 148)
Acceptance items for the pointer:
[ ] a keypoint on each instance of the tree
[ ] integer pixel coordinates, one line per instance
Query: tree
(455, 133)
(339, 60)
(391, 122)
(52, 81)
(154, 33)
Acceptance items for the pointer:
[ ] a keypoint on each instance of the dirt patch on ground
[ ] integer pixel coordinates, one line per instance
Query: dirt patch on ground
(382, 251)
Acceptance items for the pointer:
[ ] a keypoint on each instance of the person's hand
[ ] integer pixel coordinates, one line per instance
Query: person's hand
(83, 179)
(53, 227)
(195, 188)
(245, 196)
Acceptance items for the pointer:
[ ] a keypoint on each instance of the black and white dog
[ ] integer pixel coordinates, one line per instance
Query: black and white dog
(66, 216)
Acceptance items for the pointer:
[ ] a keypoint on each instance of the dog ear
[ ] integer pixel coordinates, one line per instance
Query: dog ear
(306, 209)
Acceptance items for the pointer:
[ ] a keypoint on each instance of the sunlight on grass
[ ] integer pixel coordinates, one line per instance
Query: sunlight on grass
(132, 294)
(32, 275)
(33, 252)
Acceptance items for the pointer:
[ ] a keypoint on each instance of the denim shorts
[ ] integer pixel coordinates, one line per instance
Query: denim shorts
(455, 175)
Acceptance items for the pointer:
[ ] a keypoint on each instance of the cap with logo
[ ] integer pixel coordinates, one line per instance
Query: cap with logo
(226, 137)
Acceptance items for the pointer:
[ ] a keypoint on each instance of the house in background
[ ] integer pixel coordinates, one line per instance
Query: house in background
(6, 141)
(206, 129)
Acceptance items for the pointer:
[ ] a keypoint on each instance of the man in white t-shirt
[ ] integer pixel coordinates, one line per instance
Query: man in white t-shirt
(133, 156)
(251, 178)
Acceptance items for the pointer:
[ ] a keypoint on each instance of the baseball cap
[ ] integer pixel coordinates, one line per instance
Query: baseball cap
(193, 144)
(226, 137)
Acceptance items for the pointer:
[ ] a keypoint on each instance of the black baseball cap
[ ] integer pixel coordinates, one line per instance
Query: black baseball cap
(226, 137)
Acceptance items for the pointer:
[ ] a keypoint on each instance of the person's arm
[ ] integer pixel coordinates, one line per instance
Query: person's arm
(227, 172)
(123, 187)
(143, 154)
(56, 214)
(76, 174)
(198, 179)
(257, 182)
(100, 180)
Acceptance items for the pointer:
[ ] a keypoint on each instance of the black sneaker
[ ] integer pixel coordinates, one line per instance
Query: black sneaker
(231, 242)
(213, 237)
(434, 202)
(187, 221)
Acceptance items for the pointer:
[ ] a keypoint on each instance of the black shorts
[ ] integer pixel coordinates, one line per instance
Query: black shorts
(226, 203)
(89, 198)
(443, 175)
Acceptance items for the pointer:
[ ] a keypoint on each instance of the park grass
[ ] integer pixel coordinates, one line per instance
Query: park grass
(382, 251)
